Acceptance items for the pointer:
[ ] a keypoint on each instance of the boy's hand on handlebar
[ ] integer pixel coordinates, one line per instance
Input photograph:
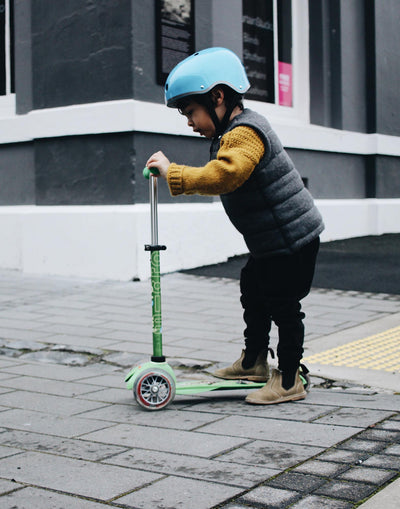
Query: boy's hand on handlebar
(159, 161)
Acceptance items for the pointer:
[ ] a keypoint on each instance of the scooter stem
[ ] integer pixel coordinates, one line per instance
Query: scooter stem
(155, 249)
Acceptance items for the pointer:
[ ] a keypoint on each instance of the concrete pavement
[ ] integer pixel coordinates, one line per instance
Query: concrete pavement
(72, 436)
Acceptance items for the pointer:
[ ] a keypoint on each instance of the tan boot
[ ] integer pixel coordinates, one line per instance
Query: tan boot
(273, 392)
(258, 373)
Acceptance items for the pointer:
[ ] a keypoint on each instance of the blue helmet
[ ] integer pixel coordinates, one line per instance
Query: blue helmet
(201, 72)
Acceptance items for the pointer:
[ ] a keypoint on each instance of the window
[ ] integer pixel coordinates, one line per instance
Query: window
(267, 50)
(6, 48)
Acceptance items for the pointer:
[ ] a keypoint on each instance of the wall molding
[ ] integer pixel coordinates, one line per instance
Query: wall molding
(130, 115)
(107, 242)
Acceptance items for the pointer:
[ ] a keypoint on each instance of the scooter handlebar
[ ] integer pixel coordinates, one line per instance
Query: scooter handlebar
(148, 171)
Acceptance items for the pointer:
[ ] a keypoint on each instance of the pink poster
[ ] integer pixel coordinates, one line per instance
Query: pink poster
(285, 83)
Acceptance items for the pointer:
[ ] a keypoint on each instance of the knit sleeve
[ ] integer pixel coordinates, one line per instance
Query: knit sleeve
(240, 151)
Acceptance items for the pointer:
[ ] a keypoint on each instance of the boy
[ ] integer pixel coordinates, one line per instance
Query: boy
(265, 199)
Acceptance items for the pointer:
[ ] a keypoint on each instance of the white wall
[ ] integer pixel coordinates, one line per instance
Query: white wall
(107, 242)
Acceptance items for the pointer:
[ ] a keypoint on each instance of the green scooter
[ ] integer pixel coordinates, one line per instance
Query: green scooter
(154, 383)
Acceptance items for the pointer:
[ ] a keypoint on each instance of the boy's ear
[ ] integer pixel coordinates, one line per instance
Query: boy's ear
(217, 96)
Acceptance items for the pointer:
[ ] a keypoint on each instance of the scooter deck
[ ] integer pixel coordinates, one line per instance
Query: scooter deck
(195, 387)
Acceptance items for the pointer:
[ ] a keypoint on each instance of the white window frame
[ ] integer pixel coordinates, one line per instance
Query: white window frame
(300, 111)
(7, 102)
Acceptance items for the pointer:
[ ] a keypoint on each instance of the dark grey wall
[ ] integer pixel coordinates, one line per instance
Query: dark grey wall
(354, 71)
(84, 170)
(353, 60)
(105, 169)
(179, 149)
(323, 52)
(331, 175)
(387, 177)
(338, 79)
(23, 56)
(17, 174)
(81, 51)
(344, 176)
(144, 69)
(387, 44)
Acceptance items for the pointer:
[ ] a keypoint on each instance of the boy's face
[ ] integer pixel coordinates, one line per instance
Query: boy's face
(199, 119)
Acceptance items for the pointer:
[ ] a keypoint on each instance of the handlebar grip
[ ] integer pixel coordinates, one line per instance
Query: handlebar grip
(147, 172)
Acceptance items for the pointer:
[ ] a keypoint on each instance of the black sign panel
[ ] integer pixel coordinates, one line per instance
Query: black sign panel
(258, 49)
(175, 34)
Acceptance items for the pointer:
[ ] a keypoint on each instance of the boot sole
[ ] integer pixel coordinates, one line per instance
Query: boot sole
(295, 397)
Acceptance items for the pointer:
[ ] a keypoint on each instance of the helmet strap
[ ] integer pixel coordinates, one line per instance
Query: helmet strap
(210, 106)
(230, 106)
(220, 125)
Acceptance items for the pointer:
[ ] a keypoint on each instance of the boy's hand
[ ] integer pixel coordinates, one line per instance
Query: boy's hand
(159, 161)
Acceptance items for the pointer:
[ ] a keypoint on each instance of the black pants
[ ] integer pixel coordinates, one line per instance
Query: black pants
(271, 290)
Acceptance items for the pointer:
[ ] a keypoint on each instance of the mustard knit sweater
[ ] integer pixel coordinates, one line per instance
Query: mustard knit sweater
(240, 151)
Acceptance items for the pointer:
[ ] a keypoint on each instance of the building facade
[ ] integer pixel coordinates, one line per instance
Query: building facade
(82, 108)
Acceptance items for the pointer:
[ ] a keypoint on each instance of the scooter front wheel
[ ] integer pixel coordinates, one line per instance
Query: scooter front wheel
(154, 389)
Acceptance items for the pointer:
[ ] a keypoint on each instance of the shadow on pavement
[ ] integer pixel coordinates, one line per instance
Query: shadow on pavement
(364, 264)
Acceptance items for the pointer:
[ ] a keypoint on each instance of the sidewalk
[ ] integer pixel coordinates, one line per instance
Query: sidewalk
(72, 436)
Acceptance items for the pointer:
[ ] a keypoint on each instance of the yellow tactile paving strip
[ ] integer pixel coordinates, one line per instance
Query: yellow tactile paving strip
(380, 351)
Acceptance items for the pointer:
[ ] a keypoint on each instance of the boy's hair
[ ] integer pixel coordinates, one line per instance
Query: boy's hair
(231, 98)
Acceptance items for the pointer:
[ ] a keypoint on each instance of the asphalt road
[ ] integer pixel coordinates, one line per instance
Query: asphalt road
(365, 264)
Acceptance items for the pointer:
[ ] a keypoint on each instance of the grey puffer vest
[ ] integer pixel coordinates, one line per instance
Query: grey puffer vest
(273, 210)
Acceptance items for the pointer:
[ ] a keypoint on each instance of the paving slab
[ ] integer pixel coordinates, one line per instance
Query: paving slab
(270, 498)
(367, 446)
(386, 461)
(44, 386)
(297, 481)
(390, 424)
(367, 474)
(171, 418)
(343, 456)
(8, 451)
(74, 476)
(59, 372)
(275, 455)
(302, 412)
(166, 440)
(113, 395)
(316, 502)
(73, 448)
(7, 486)
(58, 405)
(394, 449)
(179, 493)
(187, 466)
(357, 417)
(345, 490)
(280, 431)
(321, 468)
(29, 498)
(40, 422)
(341, 398)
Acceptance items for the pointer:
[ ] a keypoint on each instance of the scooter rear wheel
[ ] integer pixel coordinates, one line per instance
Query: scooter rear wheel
(154, 389)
